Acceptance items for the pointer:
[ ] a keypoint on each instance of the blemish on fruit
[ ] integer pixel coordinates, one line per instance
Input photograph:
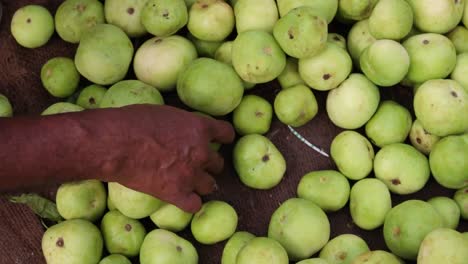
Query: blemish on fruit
(454, 94)
(396, 231)
(128, 227)
(290, 34)
(258, 114)
(179, 249)
(265, 158)
(131, 10)
(28, 20)
(92, 100)
(60, 242)
(326, 76)
(267, 50)
(425, 42)
(396, 182)
(418, 140)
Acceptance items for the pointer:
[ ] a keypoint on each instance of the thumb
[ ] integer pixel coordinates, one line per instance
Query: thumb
(190, 202)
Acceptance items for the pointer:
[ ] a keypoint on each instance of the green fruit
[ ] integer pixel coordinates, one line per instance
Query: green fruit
(402, 168)
(60, 77)
(421, 139)
(90, 97)
(122, 235)
(465, 16)
(459, 38)
(301, 227)
(257, 161)
(189, 3)
(313, 261)
(131, 203)
(160, 61)
(262, 250)
(442, 245)
(130, 92)
(62, 107)
(74, 17)
(461, 198)
(257, 57)
(407, 224)
(343, 249)
(391, 19)
(247, 15)
(336, 39)
(32, 26)
(328, 189)
(355, 9)
(224, 52)
(327, 9)
(439, 16)
(442, 107)
(6, 110)
(432, 56)
(210, 86)
(99, 63)
(377, 257)
(390, 124)
(81, 199)
(448, 210)
(171, 218)
(164, 247)
(234, 245)
(359, 38)
(369, 203)
(296, 106)
(211, 20)
(326, 70)
(301, 33)
(385, 62)
(126, 14)
(252, 116)
(205, 48)
(110, 204)
(74, 241)
(216, 221)
(115, 259)
(460, 72)
(163, 18)
(290, 76)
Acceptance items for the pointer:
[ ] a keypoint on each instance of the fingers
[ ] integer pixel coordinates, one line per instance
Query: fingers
(215, 162)
(204, 183)
(222, 131)
(190, 203)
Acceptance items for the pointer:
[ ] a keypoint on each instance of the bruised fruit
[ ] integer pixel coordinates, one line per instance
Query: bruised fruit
(247, 18)
(326, 9)
(32, 26)
(115, 259)
(290, 76)
(460, 72)
(448, 210)
(421, 139)
(130, 92)
(359, 38)
(90, 97)
(252, 116)
(343, 249)
(234, 245)
(126, 14)
(6, 110)
(262, 250)
(439, 16)
(163, 18)
(211, 20)
(171, 218)
(377, 257)
(461, 198)
(62, 107)
(296, 105)
(60, 77)
(391, 19)
(442, 245)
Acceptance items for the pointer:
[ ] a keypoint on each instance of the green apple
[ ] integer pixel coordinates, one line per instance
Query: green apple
(377, 257)
(290, 76)
(90, 97)
(32, 26)
(337, 39)
(461, 198)
(313, 261)
(391, 19)
(460, 72)
(296, 106)
(115, 259)
(359, 38)
(62, 107)
(257, 161)
(262, 250)
(459, 38)
(343, 249)
(60, 77)
(421, 139)
(439, 16)
(355, 9)
(171, 218)
(110, 204)
(163, 18)
(234, 245)
(205, 48)
(247, 15)
(6, 110)
(130, 92)
(252, 116)
(442, 245)
(211, 20)
(126, 14)
(327, 9)
(448, 210)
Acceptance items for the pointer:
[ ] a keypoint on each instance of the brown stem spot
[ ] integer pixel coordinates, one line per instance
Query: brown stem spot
(466, 190)
(131, 10)
(396, 231)
(204, 6)
(28, 20)
(166, 14)
(418, 140)
(454, 94)
(179, 248)
(290, 34)
(396, 182)
(81, 8)
(265, 158)
(60, 242)
(158, 40)
(323, 179)
(342, 255)
(425, 42)
(326, 76)
(258, 114)
(128, 227)
(92, 100)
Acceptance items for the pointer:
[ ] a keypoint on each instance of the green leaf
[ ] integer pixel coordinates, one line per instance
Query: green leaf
(43, 207)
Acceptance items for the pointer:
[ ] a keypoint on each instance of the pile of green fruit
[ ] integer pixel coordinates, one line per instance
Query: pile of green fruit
(210, 52)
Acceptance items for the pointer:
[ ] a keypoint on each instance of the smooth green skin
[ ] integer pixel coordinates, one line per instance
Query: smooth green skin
(343, 249)
(252, 116)
(442, 245)
(301, 227)
(377, 257)
(257, 161)
(355, 9)
(130, 92)
(442, 107)
(461, 198)
(133, 204)
(460, 72)
(438, 16)
(255, 15)
(216, 221)
(359, 38)
(421, 139)
(189, 3)
(224, 54)
(313, 261)
(448, 161)
(390, 124)
(126, 14)
(296, 106)
(205, 48)
(6, 110)
(210, 86)
(257, 57)
(336, 39)
(82, 199)
(82, 243)
(402, 168)
(326, 70)
(328, 189)
(407, 224)
(163, 18)
(448, 210)
(164, 247)
(465, 235)
(290, 76)
(327, 9)
(122, 235)
(168, 58)
(37, 31)
(73, 17)
(465, 16)
(115, 259)
(62, 107)
(234, 245)
(104, 54)
(391, 19)
(369, 203)
(90, 97)
(60, 77)
(385, 62)
(211, 20)
(432, 56)
(353, 154)
(110, 204)
(171, 218)
(262, 250)
(459, 38)
(301, 33)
